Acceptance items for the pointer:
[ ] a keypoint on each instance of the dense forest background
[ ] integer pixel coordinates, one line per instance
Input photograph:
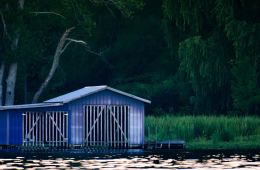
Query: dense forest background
(187, 56)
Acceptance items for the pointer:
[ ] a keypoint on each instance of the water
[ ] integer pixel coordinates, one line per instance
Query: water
(131, 159)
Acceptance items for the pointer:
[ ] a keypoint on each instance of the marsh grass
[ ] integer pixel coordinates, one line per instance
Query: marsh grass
(206, 131)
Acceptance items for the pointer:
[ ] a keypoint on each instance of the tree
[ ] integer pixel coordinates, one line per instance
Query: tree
(207, 66)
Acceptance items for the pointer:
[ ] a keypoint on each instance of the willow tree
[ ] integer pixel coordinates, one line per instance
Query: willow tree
(242, 28)
(206, 63)
(218, 39)
(202, 51)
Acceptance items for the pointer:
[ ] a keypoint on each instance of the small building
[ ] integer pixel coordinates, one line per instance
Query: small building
(91, 116)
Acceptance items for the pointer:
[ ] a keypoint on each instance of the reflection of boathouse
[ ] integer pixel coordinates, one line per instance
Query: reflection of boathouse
(91, 116)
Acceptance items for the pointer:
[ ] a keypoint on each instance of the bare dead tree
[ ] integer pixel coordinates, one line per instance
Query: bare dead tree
(61, 47)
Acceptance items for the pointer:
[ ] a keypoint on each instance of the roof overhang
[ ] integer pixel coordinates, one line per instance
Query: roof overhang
(30, 106)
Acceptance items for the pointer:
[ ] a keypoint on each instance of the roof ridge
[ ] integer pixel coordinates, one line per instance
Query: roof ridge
(88, 90)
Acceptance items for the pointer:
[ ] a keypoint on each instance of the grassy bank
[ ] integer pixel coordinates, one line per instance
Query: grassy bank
(202, 132)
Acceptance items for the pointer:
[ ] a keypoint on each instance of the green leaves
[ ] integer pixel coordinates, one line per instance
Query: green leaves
(206, 64)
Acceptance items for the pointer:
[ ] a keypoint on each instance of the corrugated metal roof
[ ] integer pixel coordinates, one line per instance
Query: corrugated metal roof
(26, 106)
(87, 91)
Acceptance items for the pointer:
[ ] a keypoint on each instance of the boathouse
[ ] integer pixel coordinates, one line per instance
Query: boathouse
(91, 116)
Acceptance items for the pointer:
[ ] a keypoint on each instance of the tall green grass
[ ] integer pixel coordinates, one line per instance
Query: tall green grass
(206, 131)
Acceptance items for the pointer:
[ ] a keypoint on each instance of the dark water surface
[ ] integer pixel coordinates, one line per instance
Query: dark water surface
(131, 159)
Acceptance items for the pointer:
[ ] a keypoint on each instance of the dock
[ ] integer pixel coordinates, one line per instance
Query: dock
(170, 144)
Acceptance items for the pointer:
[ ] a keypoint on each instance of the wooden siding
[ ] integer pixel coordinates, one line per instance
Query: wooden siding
(11, 124)
(106, 97)
(3, 128)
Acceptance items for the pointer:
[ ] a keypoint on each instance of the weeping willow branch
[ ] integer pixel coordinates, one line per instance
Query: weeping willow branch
(49, 12)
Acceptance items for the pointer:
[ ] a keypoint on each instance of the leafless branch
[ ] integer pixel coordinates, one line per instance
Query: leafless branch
(76, 41)
(65, 46)
(5, 32)
(49, 12)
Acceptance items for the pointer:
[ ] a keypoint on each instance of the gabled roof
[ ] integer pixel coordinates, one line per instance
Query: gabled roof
(28, 106)
(88, 91)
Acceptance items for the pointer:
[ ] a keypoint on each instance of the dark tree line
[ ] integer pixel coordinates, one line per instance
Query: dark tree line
(199, 57)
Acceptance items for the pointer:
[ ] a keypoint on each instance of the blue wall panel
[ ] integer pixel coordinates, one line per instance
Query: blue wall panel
(15, 127)
(11, 124)
(3, 127)
(107, 97)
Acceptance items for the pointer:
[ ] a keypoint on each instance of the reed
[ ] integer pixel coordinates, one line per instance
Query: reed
(206, 131)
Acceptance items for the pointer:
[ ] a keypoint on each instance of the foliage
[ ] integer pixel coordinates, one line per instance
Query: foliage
(186, 56)
(206, 64)
(209, 130)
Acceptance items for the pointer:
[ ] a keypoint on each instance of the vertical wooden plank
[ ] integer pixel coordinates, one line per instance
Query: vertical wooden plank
(33, 138)
(46, 127)
(121, 124)
(67, 127)
(49, 129)
(94, 130)
(43, 128)
(97, 143)
(25, 134)
(39, 129)
(83, 125)
(110, 122)
(125, 125)
(59, 125)
(87, 125)
(63, 129)
(55, 128)
(114, 128)
(29, 127)
(23, 128)
(36, 128)
(105, 126)
(118, 124)
(90, 123)
(101, 125)
(52, 135)
(129, 121)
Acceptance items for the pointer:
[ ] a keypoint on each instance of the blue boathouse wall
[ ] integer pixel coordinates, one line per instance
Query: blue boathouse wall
(11, 119)
(107, 97)
(11, 124)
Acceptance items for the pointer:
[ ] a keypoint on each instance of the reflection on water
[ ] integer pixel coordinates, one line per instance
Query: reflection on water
(131, 160)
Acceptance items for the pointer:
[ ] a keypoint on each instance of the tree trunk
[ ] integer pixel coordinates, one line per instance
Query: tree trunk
(1, 83)
(11, 79)
(10, 84)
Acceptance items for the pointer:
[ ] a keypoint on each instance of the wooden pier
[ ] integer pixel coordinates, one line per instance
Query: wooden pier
(171, 144)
